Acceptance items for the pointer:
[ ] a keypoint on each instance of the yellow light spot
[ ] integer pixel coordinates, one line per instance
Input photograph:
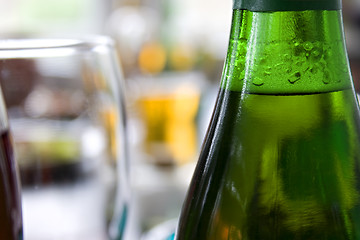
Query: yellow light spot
(152, 58)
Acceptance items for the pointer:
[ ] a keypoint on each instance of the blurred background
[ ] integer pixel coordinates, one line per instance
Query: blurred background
(171, 54)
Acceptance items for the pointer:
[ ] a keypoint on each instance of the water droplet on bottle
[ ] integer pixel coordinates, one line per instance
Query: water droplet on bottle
(315, 53)
(242, 75)
(258, 81)
(326, 80)
(280, 66)
(298, 49)
(301, 65)
(267, 71)
(287, 57)
(344, 65)
(328, 53)
(294, 77)
(262, 61)
(242, 49)
(289, 70)
(239, 64)
(308, 46)
(314, 69)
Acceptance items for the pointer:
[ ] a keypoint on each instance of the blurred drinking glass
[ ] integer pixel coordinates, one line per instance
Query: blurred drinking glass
(168, 105)
(66, 111)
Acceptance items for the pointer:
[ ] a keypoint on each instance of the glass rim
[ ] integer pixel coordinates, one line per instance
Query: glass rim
(56, 42)
(52, 47)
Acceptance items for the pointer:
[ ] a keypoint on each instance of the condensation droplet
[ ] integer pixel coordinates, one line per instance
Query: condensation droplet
(308, 46)
(280, 66)
(242, 75)
(258, 81)
(242, 48)
(289, 70)
(344, 65)
(267, 71)
(262, 61)
(326, 80)
(314, 69)
(328, 54)
(287, 57)
(294, 77)
(299, 63)
(315, 53)
(298, 49)
(239, 64)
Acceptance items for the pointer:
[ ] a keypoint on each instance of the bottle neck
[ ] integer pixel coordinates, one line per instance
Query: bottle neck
(286, 52)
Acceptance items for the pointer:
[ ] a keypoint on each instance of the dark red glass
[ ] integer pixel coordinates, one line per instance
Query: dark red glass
(10, 201)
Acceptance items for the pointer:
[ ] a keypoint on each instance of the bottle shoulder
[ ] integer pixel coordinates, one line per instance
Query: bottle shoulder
(273, 158)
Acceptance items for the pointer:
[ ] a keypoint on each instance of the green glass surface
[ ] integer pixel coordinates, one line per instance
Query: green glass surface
(286, 52)
(281, 158)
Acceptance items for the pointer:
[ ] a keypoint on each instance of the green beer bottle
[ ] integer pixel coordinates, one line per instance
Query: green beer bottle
(281, 158)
